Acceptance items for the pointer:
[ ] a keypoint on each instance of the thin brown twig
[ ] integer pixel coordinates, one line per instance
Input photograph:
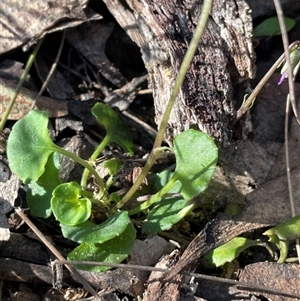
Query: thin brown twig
(51, 71)
(249, 101)
(68, 68)
(242, 285)
(290, 100)
(44, 240)
(285, 42)
(288, 169)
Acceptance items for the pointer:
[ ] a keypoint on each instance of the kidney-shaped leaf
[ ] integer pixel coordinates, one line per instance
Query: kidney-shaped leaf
(88, 232)
(68, 207)
(112, 251)
(116, 130)
(29, 146)
(39, 193)
(196, 158)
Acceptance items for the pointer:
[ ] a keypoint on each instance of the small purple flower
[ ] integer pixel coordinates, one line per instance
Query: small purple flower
(295, 60)
(283, 77)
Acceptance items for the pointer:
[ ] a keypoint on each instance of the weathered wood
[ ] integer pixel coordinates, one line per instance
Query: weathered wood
(163, 30)
(160, 290)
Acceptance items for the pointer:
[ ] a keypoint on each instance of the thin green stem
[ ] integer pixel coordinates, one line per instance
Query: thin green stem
(183, 70)
(207, 4)
(152, 157)
(84, 164)
(93, 157)
(287, 156)
(20, 84)
(186, 210)
(154, 199)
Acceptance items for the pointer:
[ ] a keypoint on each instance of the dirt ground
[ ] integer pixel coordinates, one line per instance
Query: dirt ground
(251, 170)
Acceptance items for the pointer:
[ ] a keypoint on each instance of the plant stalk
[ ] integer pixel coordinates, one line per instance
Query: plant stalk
(93, 157)
(20, 84)
(84, 164)
(207, 4)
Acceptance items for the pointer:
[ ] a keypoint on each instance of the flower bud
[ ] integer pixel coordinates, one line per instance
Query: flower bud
(294, 58)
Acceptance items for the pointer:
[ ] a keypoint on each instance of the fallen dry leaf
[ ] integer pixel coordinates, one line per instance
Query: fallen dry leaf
(90, 41)
(25, 22)
(242, 166)
(12, 70)
(24, 101)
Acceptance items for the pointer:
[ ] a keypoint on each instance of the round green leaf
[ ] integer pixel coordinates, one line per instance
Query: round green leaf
(39, 193)
(112, 251)
(90, 233)
(29, 146)
(196, 158)
(116, 130)
(68, 207)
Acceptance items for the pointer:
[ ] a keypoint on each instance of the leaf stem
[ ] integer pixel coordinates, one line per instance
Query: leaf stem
(186, 210)
(84, 164)
(92, 159)
(154, 199)
(207, 4)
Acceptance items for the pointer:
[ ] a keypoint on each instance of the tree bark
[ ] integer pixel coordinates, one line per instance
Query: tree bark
(163, 30)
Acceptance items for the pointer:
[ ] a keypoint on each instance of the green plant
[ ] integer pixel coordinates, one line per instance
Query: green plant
(35, 159)
(230, 250)
(270, 27)
(109, 237)
(280, 235)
